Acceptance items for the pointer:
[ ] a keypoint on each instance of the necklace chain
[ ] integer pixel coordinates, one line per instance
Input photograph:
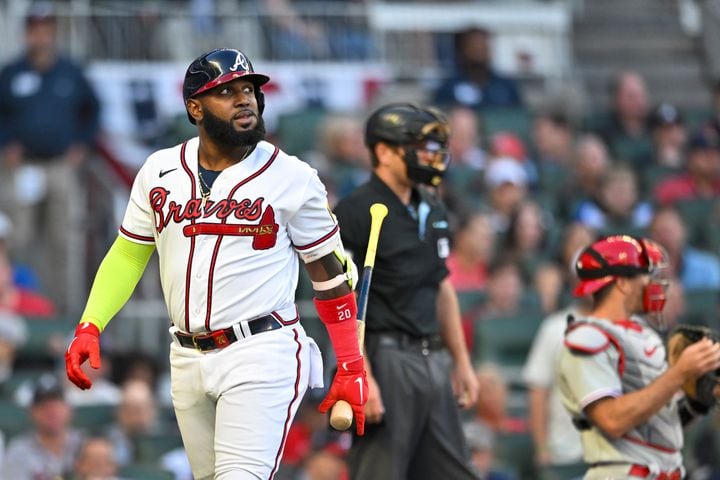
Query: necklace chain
(205, 188)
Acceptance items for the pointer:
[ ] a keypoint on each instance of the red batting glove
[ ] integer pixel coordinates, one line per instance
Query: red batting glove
(350, 384)
(86, 344)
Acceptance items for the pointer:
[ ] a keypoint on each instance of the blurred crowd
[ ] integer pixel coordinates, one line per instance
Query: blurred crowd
(523, 197)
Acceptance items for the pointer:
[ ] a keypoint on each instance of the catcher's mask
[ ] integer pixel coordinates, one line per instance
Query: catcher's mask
(422, 133)
(221, 66)
(625, 256)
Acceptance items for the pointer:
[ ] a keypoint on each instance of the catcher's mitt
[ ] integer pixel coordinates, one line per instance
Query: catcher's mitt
(678, 340)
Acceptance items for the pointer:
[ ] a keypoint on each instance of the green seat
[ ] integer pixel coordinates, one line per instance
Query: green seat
(516, 450)
(697, 214)
(505, 341)
(151, 447)
(630, 151)
(95, 418)
(42, 332)
(515, 120)
(470, 300)
(145, 472)
(701, 307)
(696, 117)
(297, 131)
(14, 419)
(652, 176)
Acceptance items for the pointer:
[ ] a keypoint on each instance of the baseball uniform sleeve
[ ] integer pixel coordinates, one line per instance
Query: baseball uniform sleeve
(138, 225)
(592, 377)
(313, 229)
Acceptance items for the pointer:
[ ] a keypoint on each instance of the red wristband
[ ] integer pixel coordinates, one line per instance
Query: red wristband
(336, 310)
(339, 315)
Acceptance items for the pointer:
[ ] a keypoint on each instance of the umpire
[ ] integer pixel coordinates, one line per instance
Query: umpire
(413, 319)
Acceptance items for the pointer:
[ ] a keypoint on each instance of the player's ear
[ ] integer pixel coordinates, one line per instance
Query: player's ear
(384, 152)
(194, 109)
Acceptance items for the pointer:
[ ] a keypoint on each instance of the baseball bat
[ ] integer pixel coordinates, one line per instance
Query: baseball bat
(341, 415)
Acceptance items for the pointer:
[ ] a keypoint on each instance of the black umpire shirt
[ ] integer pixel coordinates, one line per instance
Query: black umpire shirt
(410, 261)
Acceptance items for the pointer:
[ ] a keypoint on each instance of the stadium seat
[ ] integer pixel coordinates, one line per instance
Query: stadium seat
(151, 447)
(94, 418)
(145, 472)
(697, 214)
(515, 120)
(297, 131)
(505, 341)
(515, 450)
(41, 333)
(470, 299)
(14, 419)
(701, 307)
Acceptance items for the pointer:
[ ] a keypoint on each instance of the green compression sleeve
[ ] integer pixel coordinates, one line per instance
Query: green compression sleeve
(116, 279)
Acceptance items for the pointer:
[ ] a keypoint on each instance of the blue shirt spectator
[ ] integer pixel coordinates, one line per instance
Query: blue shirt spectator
(46, 111)
(699, 270)
(475, 84)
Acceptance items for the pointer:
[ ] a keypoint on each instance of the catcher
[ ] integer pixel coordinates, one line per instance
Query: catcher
(624, 397)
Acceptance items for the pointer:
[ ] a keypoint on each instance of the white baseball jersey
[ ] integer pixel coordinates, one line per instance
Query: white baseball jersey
(235, 257)
(609, 359)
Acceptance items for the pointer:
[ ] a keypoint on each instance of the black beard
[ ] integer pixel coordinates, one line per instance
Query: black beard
(224, 133)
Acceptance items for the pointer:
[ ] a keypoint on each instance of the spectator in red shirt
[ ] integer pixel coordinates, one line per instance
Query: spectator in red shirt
(19, 300)
(471, 252)
(702, 178)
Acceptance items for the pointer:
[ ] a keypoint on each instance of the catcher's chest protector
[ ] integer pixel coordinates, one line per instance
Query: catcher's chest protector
(641, 358)
(640, 349)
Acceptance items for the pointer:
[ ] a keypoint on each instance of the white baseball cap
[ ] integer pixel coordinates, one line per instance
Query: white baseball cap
(505, 170)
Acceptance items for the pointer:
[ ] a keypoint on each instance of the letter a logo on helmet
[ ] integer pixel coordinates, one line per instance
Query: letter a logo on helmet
(218, 67)
(240, 61)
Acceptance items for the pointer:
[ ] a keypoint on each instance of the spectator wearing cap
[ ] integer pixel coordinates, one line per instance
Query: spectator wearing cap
(475, 83)
(510, 145)
(669, 137)
(506, 182)
(701, 178)
(49, 449)
(49, 118)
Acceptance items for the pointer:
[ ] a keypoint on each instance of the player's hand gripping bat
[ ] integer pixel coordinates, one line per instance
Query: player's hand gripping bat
(341, 415)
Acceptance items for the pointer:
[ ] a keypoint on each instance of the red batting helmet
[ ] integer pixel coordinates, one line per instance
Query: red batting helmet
(616, 256)
(221, 66)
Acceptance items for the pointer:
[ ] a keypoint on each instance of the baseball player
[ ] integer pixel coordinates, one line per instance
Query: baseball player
(614, 378)
(230, 216)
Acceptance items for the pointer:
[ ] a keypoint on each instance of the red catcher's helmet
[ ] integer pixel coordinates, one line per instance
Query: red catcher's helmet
(218, 67)
(612, 257)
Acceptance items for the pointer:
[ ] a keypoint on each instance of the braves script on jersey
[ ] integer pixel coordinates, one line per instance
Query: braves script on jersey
(232, 258)
(604, 358)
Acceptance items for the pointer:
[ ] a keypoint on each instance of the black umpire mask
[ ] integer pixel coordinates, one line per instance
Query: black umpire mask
(224, 133)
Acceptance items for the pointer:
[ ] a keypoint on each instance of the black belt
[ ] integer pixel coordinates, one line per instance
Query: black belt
(404, 341)
(222, 338)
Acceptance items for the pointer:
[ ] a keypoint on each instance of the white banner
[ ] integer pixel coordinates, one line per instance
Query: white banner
(139, 100)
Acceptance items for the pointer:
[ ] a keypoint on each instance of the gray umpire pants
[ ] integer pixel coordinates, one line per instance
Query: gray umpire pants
(420, 437)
